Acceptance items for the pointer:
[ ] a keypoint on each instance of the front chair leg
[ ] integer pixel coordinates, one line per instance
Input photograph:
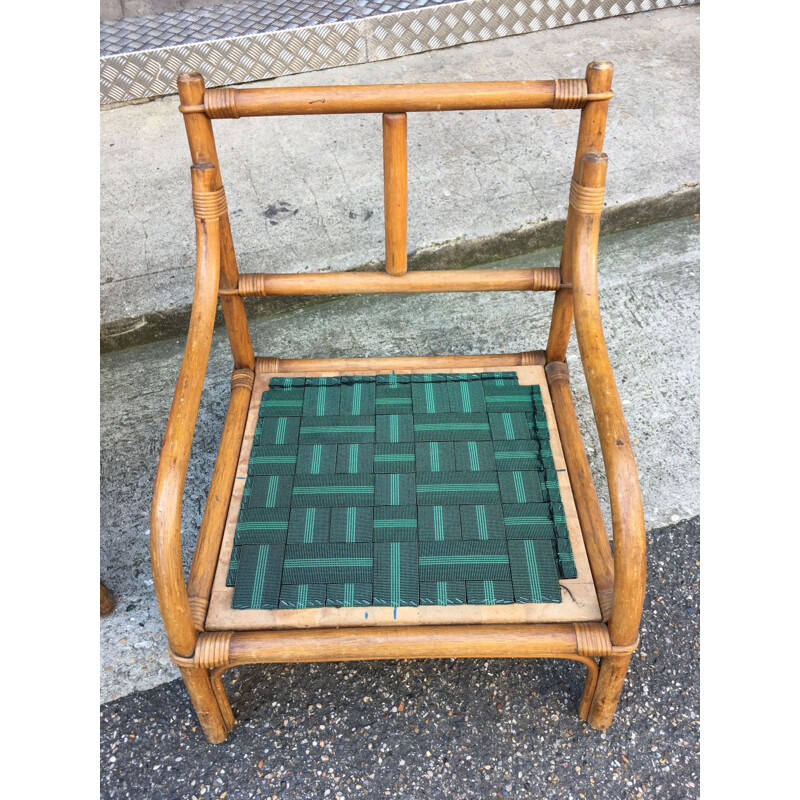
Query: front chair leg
(206, 704)
(609, 687)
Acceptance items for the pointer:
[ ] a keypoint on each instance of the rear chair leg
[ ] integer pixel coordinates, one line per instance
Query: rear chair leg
(588, 689)
(609, 687)
(222, 696)
(206, 699)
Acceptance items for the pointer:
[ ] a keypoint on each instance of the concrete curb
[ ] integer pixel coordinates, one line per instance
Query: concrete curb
(159, 325)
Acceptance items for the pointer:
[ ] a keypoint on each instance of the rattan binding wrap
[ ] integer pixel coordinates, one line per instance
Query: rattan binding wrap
(213, 649)
(242, 379)
(557, 371)
(586, 200)
(199, 608)
(209, 205)
(221, 103)
(592, 639)
(267, 364)
(570, 93)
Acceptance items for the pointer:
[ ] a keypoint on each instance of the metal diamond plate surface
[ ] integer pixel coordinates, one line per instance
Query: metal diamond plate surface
(221, 21)
(299, 37)
(244, 18)
(418, 30)
(227, 61)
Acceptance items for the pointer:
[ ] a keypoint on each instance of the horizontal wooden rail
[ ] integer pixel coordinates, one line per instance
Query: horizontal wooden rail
(233, 103)
(465, 641)
(398, 363)
(262, 284)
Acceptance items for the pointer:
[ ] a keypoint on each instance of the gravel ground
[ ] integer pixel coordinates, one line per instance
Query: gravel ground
(443, 728)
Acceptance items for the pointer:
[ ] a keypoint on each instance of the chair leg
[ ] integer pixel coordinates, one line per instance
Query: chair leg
(609, 686)
(222, 697)
(206, 705)
(588, 689)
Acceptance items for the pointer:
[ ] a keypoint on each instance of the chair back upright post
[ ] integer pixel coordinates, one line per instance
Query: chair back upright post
(191, 90)
(591, 134)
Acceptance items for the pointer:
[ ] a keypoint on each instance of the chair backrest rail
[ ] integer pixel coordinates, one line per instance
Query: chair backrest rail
(279, 366)
(230, 103)
(262, 284)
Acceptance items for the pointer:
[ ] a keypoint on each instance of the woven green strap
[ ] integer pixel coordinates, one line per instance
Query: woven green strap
(400, 490)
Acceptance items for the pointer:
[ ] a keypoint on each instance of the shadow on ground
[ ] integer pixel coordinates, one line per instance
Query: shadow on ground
(443, 728)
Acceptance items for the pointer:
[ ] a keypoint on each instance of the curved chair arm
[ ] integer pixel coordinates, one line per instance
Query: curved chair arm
(630, 562)
(165, 523)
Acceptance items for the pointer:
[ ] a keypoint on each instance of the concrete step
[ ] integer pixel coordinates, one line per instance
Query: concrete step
(306, 193)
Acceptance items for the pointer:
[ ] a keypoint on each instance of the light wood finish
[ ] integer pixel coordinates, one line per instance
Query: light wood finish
(219, 650)
(202, 693)
(106, 600)
(209, 539)
(604, 647)
(630, 561)
(325, 366)
(261, 284)
(590, 140)
(594, 531)
(165, 522)
(222, 697)
(395, 98)
(191, 89)
(578, 598)
(607, 691)
(395, 191)
(409, 641)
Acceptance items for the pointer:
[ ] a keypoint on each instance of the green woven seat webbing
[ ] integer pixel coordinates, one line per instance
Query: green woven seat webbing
(400, 490)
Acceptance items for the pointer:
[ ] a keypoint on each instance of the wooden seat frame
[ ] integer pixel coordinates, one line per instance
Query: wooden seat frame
(605, 647)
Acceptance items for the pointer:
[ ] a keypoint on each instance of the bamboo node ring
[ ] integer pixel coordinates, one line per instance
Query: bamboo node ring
(586, 199)
(209, 205)
(570, 93)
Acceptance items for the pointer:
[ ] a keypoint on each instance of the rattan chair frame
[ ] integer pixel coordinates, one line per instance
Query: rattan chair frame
(605, 647)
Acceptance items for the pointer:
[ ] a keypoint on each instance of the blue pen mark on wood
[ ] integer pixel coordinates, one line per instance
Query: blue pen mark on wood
(395, 612)
(366, 615)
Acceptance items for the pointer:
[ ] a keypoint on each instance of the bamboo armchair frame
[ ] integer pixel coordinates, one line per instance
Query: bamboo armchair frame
(604, 646)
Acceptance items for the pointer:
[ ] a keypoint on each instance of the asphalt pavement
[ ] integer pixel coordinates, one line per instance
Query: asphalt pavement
(435, 729)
